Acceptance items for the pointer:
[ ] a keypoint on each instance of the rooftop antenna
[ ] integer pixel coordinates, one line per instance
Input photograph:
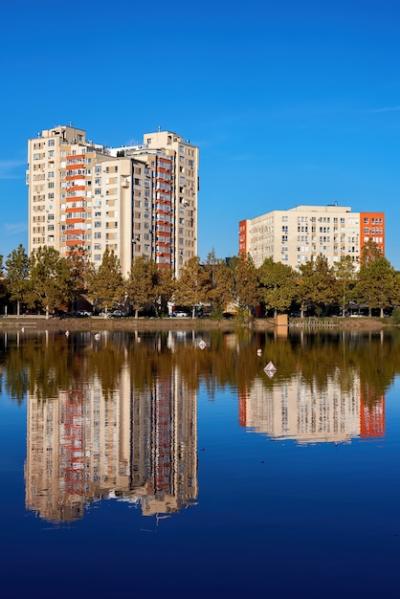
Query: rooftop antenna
(159, 128)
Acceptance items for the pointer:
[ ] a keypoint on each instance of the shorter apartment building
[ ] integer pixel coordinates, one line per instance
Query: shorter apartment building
(296, 235)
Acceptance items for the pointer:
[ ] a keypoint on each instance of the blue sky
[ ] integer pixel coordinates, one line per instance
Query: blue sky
(290, 102)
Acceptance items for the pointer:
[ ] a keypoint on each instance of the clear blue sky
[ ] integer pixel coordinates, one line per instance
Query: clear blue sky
(290, 101)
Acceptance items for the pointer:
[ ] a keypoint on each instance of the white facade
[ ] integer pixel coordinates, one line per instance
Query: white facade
(295, 236)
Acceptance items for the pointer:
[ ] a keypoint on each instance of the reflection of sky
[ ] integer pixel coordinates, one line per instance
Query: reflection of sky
(274, 517)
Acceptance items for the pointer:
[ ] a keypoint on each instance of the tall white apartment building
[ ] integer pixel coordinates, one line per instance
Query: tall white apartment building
(137, 200)
(295, 236)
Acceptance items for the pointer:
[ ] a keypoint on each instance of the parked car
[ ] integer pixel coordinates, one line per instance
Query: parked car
(118, 314)
(180, 315)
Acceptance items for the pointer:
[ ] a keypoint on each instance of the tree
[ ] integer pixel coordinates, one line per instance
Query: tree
(3, 288)
(193, 285)
(221, 292)
(245, 283)
(378, 283)
(17, 265)
(164, 286)
(49, 283)
(345, 280)
(105, 285)
(278, 285)
(316, 285)
(140, 285)
(80, 272)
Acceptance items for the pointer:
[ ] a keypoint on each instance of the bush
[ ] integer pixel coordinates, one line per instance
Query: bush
(396, 316)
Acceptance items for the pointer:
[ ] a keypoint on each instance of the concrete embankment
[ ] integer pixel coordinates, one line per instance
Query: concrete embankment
(181, 324)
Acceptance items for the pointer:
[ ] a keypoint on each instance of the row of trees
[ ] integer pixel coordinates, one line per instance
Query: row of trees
(49, 281)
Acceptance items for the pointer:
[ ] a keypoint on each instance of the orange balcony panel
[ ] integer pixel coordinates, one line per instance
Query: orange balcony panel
(74, 167)
(76, 157)
(72, 242)
(165, 213)
(163, 233)
(76, 188)
(75, 199)
(74, 177)
(74, 232)
(74, 221)
(71, 210)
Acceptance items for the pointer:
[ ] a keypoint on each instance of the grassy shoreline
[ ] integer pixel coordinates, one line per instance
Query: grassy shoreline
(172, 324)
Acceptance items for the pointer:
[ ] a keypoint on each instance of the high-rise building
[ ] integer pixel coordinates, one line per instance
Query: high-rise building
(295, 236)
(136, 200)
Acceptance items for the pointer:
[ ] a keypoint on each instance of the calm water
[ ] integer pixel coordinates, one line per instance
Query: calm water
(142, 463)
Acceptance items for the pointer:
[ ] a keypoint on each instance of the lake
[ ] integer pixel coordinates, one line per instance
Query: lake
(174, 464)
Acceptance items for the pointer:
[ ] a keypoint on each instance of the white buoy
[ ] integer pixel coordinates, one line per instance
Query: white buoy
(202, 344)
(67, 333)
(97, 336)
(23, 330)
(270, 368)
(259, 352)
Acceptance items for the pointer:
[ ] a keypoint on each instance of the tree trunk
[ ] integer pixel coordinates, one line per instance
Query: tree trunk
(381, 312)
(47, 312)
(193, 312)
(18, 308)
(275, 313)
(136, 313)
(370, 312)
(302, 312)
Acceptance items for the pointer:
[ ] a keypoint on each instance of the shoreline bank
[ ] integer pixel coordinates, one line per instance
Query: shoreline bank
(40, 323)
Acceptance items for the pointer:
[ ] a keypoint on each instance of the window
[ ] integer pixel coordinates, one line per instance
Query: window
(51, 142)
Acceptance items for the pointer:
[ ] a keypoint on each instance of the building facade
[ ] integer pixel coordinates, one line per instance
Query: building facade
(137, 446)
(295, 236)
(305, 412)
(136, 200)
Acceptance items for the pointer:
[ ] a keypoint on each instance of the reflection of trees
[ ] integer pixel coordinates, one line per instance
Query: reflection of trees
(44, 365)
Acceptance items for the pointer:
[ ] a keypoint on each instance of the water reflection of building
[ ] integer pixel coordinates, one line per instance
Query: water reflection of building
(140, 447)
(296, 409)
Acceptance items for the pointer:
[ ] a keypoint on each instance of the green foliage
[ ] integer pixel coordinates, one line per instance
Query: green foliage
(396, 316)
(105, 285)
(140, 285)
(50, 283)
(316, 285)
(377, 284)
(345, 281)
(246, 283)
(17, 265)
(221, 292)
(278, 285)
(193, 285)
